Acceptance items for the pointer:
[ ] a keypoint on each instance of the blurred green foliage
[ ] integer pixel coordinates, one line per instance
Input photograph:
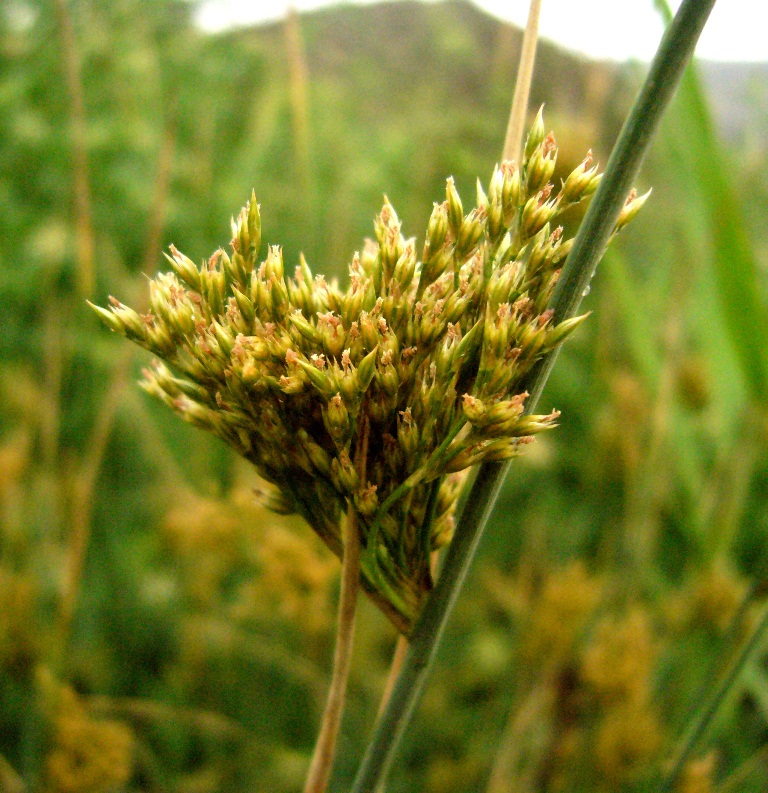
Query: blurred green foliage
(158, 629)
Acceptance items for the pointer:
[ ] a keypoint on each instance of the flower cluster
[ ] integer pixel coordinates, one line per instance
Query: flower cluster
(378, 397)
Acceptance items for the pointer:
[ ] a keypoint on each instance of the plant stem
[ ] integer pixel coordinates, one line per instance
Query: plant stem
(513, 142)
(325, 748)
(664, 74)
(429, 629)
(84, 215)
(710, 707)
(322, 760)
(394, 670)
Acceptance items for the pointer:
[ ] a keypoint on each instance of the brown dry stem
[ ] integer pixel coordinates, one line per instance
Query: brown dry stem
(325, 748)
(514, 140)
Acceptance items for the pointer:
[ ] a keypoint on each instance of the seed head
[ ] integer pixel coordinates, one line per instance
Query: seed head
(361, 398)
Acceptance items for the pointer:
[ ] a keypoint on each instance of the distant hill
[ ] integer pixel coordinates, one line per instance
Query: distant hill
(437, 42)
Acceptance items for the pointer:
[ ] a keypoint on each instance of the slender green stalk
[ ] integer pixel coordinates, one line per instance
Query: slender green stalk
(718, 664)
(665, 72)
(710, 707)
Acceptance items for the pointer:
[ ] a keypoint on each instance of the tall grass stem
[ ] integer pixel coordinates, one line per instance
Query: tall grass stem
(86, 271)
(712, 704)
(513, 143)
(325, 748)
(674, 52)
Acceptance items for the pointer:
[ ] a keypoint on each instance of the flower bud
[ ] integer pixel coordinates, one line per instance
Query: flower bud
(506, 410)
(482, 198)
(386, 376)
(437, 229)
(108, 318)
(510, 191)
(273, 265)
(530, 425)
(455, 306)
(275, 499)
(470, 233)
(633, 205)
(331, 333)
(581, 182)
(387, 227)
(366, 501)
(368, 330)
(317, 378)
(469, 342)
(433, 268)
(455, 208)
(495, 186)
(347, 381)
(278, 297)
(536, 135)
(473, 409)
(244, 304)
(241, 242)
(563, 329)
(291, 384)
(560, 252)
(541, 165)
(407, 434)
(184, 268)
(254, 229)
(317, 455)
(405, 266)
(336, 420)
(343, 473)
(212, 284)
(130, 322)
(366, 370)
(500, 450)
(307, 329)
(503, 283)
(536, 214)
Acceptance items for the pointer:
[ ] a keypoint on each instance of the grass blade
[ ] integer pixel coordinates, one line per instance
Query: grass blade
(734, 262)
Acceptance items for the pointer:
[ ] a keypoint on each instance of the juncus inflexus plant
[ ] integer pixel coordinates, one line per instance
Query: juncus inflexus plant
(372, 403)
(412, 374)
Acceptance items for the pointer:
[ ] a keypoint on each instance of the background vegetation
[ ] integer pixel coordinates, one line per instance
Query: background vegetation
(159, 630)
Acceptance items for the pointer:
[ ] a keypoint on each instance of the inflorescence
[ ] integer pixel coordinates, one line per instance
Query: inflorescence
(380, 397)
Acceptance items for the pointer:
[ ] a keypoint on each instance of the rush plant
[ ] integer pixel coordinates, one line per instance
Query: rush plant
(379, 397)
(364, 407)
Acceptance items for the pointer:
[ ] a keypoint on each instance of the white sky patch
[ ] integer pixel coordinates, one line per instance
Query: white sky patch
(612, 29)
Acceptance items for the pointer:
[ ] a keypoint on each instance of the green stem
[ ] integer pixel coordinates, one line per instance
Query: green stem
(429, 629)
(665, 72)
(710, 707)
(426, 524)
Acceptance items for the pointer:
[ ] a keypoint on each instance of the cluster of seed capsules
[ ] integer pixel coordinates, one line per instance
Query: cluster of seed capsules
(379, 397)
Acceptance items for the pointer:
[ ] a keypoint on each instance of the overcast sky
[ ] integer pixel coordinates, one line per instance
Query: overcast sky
(619, 29)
